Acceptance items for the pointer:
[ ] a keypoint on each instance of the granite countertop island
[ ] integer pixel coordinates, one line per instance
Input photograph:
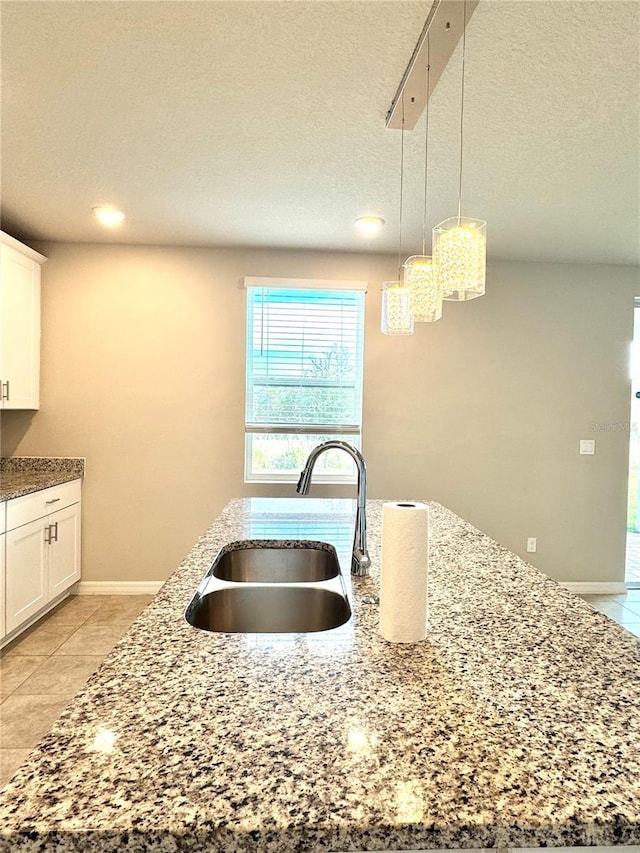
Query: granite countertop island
(22, 475)
(515, 724)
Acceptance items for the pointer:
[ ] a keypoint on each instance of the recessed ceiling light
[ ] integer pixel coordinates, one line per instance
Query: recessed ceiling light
(109, 216)
(369, 225)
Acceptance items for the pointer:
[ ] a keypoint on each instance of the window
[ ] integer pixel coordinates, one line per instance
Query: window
(304, 376)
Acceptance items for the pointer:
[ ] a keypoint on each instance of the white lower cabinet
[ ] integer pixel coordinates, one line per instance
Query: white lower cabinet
(42, 553)
(63, 550)
(26, 580)
(3, 627)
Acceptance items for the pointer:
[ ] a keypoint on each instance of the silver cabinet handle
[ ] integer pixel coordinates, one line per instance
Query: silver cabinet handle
(52, 501)
(4, 387)
(51, 533)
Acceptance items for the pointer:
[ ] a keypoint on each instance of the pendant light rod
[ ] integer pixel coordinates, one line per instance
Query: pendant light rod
(464, 51)
(444, 25)
(396, 295)
(401, 194)
(426, 154)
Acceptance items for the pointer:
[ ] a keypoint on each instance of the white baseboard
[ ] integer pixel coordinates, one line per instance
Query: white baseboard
(597, 588)
(116, 587)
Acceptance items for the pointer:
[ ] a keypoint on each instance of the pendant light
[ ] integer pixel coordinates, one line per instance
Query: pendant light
(460, 243)
(396, 295)
(419, 272)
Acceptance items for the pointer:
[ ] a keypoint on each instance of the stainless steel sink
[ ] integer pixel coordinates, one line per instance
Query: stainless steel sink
(271, 586)
(277, 562)
(272, 609)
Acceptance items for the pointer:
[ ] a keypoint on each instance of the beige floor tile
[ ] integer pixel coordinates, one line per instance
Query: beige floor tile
(119, 608)
(14, 670)
(42, 639)
(74, 610)
(24, 720)
(93, 640)
(10, 760)
(60, 674)
(595, 600)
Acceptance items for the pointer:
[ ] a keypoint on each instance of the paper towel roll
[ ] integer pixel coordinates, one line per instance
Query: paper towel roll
(403, 581)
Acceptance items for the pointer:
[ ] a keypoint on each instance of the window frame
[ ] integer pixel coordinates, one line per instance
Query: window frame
(347, 432)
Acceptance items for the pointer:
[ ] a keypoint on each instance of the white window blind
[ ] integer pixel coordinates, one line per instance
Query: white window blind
(304, 374)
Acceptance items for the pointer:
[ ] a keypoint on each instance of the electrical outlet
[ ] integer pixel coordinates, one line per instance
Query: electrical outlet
(587, 446)
(532, 544)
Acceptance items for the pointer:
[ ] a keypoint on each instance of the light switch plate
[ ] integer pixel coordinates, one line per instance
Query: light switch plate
(587, 446)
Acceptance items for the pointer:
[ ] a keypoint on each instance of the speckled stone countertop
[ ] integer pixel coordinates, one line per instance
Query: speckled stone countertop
(515, 724)
(21, 475)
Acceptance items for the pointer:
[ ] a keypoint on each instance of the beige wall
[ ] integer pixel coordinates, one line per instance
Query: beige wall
(142, 373)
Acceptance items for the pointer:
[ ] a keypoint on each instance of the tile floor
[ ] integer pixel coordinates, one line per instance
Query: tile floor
(44, 668)
(48, 664)
(623, 609)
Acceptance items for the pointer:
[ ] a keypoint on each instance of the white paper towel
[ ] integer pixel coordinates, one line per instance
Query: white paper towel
(404, 572)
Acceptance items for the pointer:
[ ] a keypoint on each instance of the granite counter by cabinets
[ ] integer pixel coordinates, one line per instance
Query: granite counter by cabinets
(515, 724)
(21, 475)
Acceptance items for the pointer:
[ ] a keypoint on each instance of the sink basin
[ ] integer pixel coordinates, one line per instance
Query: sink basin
(268, 609)
(274, 586)
(294, 561)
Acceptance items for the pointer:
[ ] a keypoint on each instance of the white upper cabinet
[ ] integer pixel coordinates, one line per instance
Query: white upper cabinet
(19, 324)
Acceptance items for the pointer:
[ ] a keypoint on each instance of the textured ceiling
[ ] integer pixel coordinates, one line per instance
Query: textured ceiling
(262, 124)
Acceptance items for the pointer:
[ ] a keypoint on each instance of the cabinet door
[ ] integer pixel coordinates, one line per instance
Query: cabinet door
(19, 330)
(3, 627)
(64, 551)
(26, 578)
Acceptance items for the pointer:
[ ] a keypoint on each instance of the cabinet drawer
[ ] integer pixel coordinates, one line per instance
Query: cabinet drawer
(30, 507)
(3, 515)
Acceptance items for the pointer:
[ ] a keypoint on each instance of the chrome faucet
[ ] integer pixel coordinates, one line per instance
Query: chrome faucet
(360, 561)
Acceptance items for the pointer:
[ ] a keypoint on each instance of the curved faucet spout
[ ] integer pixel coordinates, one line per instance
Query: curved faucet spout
(360, 561)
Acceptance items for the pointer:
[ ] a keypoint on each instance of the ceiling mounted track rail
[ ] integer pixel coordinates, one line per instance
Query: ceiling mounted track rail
(444, 24)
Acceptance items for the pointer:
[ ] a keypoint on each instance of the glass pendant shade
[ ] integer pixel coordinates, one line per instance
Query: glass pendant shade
(425, 300)
(396, 309)
(460, 255)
